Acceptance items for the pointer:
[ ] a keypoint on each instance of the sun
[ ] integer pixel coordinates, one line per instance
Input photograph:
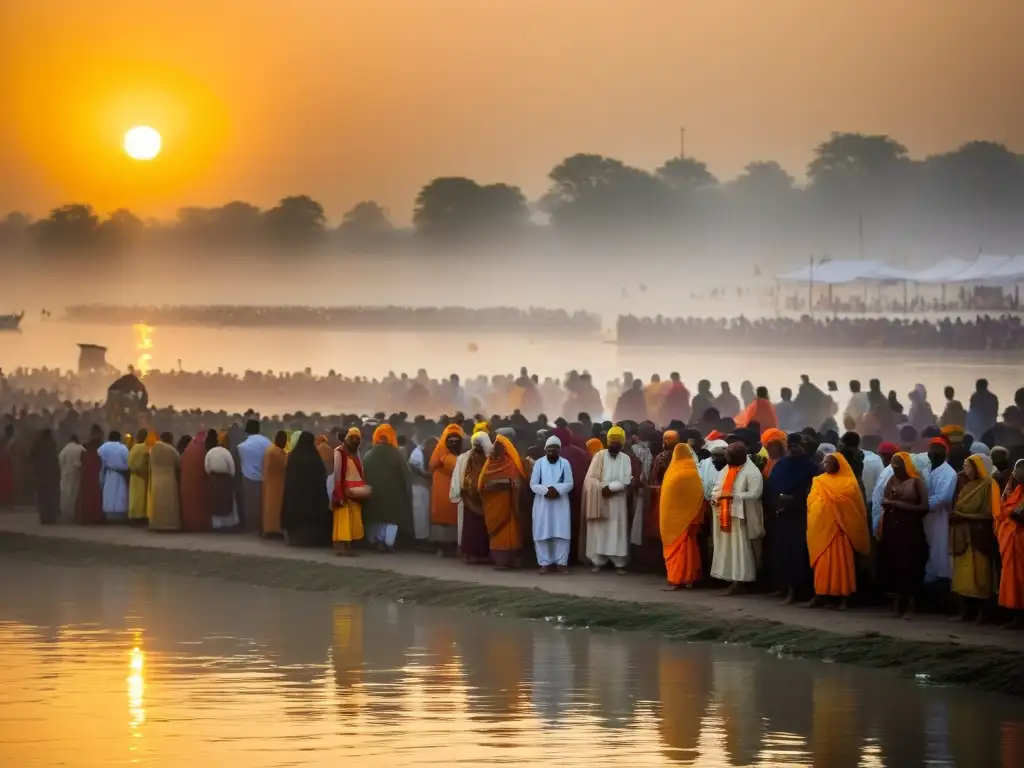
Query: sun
(142, 143)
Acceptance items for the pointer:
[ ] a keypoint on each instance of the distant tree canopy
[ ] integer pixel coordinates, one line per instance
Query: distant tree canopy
(972, 195)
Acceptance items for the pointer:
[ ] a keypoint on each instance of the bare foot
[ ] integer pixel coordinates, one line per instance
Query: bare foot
(670, 588)
(620, 571)
(734, 589)
(544, 569)
(790, 597)
(596, 569)
(843, 605)
(814, 602)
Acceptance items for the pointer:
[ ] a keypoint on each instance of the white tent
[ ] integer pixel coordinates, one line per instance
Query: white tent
(843, 272)
(979, 270)
(941, 272)
(1011, 271)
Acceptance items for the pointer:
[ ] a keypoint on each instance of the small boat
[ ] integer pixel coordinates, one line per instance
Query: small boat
(10, 322)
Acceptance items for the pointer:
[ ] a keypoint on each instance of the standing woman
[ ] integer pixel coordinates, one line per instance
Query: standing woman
(138, 476)
(70, 461)
(1010, 532)
(219, 465)
(972, 541)
(499, 486)
(89, 508)
(195, 516)
(681, 512)
(902, 545)
(164, 504)
(837, 526)
(444, 513)
(274, 462)
(46, 475)
(305, 507)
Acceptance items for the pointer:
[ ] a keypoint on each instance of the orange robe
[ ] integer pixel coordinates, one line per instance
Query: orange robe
(274, 462)
(680, 512)
(836, 526)
(442, 464)
(761, 411)
(1010, 534)
(501, 507)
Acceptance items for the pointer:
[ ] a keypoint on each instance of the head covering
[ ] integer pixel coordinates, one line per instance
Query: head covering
(714, 434)
(483, 440)
(128, 440)
(836, 504)
(954, 432)
(773, 435)
(617, 435)
(716, 446)
(890, 448)
(980, 449)
(594, 446)
(826, 449)
(552, 441)
(354, 431)
(908, 464)
(481, 426)
(385, 433)
(441, 449)
(670, 438)
(506, 432)
(944, 442)
(793, 439)
(151, 438)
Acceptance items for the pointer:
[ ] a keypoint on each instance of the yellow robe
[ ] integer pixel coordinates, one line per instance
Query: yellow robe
(138, 484)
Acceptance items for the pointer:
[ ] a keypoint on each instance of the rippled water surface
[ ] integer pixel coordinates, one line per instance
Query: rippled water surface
(113, 667)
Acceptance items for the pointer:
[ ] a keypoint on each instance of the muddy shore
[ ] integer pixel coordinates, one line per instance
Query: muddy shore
(942, 652)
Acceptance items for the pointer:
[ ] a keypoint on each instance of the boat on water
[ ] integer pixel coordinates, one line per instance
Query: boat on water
(10, 322)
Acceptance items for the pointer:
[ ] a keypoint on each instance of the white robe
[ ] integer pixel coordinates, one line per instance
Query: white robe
(70, 460)
(734, 558)
(608, 538)
(455, 489)
(420, 495)
(219, 461)
(551, 517)
(941, 486)
(114, 461)
(708, 475)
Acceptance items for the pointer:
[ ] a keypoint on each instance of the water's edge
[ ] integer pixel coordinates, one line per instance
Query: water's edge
(985, 668)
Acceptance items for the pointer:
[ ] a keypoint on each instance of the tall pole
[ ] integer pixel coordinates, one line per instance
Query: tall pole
(682, 143)
(860, 234)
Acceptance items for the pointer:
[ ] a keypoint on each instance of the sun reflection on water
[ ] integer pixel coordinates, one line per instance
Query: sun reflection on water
(136, 694)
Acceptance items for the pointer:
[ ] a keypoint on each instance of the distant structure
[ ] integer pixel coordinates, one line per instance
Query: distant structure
(92, 358)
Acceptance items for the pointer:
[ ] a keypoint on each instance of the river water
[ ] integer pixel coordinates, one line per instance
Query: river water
(374, 354)
(106, 666)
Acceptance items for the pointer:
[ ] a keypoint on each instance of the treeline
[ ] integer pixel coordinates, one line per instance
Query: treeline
(861, 192)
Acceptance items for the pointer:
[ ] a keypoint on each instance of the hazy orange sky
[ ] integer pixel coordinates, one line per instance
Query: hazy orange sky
(348, 100)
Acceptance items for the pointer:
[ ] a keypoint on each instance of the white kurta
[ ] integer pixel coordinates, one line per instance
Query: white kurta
(551, 517)
(708, 475)
(941, 486)
(608, 537)
(114, 461)
(70, 460)
(734, 558)
(420, 495)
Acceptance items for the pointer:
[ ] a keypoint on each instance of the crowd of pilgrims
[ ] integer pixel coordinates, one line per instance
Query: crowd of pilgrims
(902, 503)
(984, 332)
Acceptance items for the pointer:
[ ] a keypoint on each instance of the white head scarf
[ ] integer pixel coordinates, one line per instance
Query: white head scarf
(716, 446)
(484, 441)
(553, 440)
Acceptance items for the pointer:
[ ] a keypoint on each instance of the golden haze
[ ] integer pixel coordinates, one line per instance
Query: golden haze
(368, 99)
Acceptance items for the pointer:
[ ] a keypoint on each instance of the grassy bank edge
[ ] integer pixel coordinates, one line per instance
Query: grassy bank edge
(986, 668)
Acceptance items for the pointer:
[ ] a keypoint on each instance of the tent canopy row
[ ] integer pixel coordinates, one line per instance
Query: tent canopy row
(985, 270)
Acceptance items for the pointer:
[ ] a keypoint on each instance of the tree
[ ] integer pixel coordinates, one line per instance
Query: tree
(298, 218)
(684, 174)
(763, 178)
(235, 222)
(69, 226)
(366, 224)
(121, 228)
(980, 170)
(14, 227)
(454, 207)
(593, 191)
(850, 157)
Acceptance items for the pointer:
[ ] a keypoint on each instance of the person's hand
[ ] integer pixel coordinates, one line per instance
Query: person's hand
(552, 493)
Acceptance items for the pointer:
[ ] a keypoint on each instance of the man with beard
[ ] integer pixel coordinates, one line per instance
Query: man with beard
(738, 520)
(551, 482)
(605, 504)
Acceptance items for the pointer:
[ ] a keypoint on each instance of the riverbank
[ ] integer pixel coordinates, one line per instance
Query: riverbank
(946, 652)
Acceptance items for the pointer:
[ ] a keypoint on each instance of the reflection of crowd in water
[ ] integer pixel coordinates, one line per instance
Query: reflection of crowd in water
(985, 332)
(707, 489)
(412, 319)
(510, 685)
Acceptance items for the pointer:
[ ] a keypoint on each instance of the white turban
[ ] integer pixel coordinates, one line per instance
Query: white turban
(716, 446)
(484, 441)
(552, 441)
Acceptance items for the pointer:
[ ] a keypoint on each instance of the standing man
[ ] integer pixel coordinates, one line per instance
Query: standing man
(250, 456)
(941, 485)
(113, 456)
(551, 482)
(605, 504)
(739, 519)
